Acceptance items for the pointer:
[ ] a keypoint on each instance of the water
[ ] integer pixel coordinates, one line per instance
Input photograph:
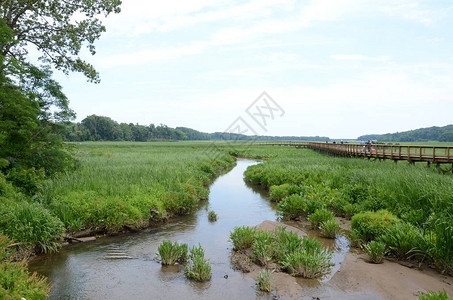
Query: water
(124, 267)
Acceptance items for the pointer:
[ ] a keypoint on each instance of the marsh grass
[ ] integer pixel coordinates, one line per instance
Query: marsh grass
(319, 216)
(171, 253)
(376, 251)
(414, 194)
(371, 225)
(329, 228)
(242, 237)
(263, 280)
(299, 256)
(263, 247)
(440, 295)
(405, 241)
(307, 264)
(198, 268)
(212, 216)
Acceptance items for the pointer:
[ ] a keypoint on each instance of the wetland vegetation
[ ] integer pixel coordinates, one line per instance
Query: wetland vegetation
(397, 210)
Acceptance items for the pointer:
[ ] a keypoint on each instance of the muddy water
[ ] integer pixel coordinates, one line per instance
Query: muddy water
(123, 267)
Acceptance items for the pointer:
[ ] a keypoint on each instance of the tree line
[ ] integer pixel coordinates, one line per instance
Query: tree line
(439, 134)
(101, 128)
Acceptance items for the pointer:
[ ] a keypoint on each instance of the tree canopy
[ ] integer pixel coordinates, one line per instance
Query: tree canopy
(33, 107)
(57, 28)
(440, 134)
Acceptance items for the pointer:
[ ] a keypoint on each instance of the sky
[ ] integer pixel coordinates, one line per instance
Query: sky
(336, 68)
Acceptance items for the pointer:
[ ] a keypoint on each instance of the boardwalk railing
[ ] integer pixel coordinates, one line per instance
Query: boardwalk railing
(411, 153)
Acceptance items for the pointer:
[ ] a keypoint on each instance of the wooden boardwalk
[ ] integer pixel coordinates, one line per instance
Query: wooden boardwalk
(430, 154)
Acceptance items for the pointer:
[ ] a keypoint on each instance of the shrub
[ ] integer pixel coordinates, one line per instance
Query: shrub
(434, 296)
(278, 192)
(242, 237)
(263, 281)
(371, 225)
(319, 216)
(198, 267)
(329, 228)
(171, 253)
(404, 240)
(376, 251)
(263, 247)
(212, 216)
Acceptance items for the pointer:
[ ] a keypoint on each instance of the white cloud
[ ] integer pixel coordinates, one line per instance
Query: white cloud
(359, 57)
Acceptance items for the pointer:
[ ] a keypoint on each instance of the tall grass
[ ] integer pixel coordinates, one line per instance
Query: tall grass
(132, 184)
(414, 194)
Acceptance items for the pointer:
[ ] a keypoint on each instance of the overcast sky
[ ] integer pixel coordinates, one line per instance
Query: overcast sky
(337, 68)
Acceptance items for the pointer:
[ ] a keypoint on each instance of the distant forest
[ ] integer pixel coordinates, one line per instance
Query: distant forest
(440, 134)
(100, 128)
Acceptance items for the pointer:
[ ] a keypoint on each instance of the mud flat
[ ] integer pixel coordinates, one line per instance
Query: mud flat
(354, 279)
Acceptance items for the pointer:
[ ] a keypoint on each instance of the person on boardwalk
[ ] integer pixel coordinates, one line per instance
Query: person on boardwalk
(368, 145)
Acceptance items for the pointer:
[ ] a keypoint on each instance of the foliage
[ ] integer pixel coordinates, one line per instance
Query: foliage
(171, 253)
(442, 249)
(405, 240)
(329, 228)
(310, 261)
(441, 134)
(278, 192)
(286, 242)
(299, 256)
(371, 225)
(376, 251)
(16, 282)
(242, 237)
(212, 216)
(263, 247)
(131, 184)
(50, 27)
(99, 128)
(441, 295)
(319, 216)
(31, 223)
(348, 187)
(263, 280)
(297, 206)
(198, 267)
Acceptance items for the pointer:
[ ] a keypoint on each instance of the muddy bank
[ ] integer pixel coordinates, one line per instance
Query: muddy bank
(389, 280)
(355, 278)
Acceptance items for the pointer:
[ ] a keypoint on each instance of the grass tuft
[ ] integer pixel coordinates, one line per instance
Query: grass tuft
(263, 280)
(212, 216)
(198, 268)
(171, 253)
(376, 251)
(242, 237)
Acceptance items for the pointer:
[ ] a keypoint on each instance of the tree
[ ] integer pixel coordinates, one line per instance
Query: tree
(57, 28)
(33, 107)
